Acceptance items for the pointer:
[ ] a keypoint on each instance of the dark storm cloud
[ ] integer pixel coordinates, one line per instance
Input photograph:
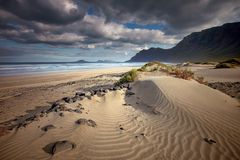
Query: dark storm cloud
(66, 23)
(179, 15)
(90, 32)
(46, 11)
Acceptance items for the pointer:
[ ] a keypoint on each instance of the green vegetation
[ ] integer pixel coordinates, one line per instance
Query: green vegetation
(152, 64)
(183, 74)
(128, 77)
(157, 66)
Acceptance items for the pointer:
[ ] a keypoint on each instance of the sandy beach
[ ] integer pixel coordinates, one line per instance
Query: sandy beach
(119, 80)
(81, 115)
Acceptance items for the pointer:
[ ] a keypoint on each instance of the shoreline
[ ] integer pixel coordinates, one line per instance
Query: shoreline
(38, 69)
(30, 80)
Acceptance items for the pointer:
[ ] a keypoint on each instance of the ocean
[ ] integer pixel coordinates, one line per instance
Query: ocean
(23, 69)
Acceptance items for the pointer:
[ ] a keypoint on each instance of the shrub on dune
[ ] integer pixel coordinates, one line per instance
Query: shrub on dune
(184, 74)
(128, 77)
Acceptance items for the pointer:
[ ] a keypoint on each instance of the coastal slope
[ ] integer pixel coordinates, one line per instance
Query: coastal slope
(213, 44)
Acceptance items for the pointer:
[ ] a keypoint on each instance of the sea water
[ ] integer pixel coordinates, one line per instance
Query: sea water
(21, 69)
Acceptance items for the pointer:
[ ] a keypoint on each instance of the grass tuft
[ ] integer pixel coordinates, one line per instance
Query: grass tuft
(128, 77)
(157, 66)
(184, 74)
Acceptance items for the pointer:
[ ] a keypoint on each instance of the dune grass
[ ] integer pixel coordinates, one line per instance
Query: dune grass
(158, 66)
(169, 69)
(183, 74)
(128, 77)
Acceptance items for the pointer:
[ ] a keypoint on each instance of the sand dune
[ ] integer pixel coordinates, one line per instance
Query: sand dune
(210, 74)
(219, 75)
(166, 118)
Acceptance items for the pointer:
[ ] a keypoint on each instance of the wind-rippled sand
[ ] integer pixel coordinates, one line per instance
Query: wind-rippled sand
(166, 118)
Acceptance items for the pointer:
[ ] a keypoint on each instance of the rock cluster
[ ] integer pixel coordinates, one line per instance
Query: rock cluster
(230, 88)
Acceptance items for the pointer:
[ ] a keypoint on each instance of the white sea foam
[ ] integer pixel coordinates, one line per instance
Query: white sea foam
(19, 69)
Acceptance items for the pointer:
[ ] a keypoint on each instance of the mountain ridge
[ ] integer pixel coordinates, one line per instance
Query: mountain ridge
(216, 43)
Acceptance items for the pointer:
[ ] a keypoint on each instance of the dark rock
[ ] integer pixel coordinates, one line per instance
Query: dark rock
(80, 93)
(62, 108)
(77, 111)
(100, 94)
(82, 121)
(70, 110)
(59, 146)
(74, 99)
(209, 141)
(81, 98)
(53, 107)
(68, 100)
(25, 125)
(32, 118)
(129, 87)
(126, 85)
(129, 93)
(95, 91)
(89, 122)
(56, 109)
(48, 127)
(43, 112)
(121, 128)
(61, 114)
(212, 141)
(55, 104)
(116, 88)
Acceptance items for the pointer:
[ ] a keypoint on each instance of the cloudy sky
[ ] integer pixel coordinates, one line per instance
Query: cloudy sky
(69, 30)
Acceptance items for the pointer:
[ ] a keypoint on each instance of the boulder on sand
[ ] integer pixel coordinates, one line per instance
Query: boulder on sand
(59, 146)
(89, 122)
(48, 127)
